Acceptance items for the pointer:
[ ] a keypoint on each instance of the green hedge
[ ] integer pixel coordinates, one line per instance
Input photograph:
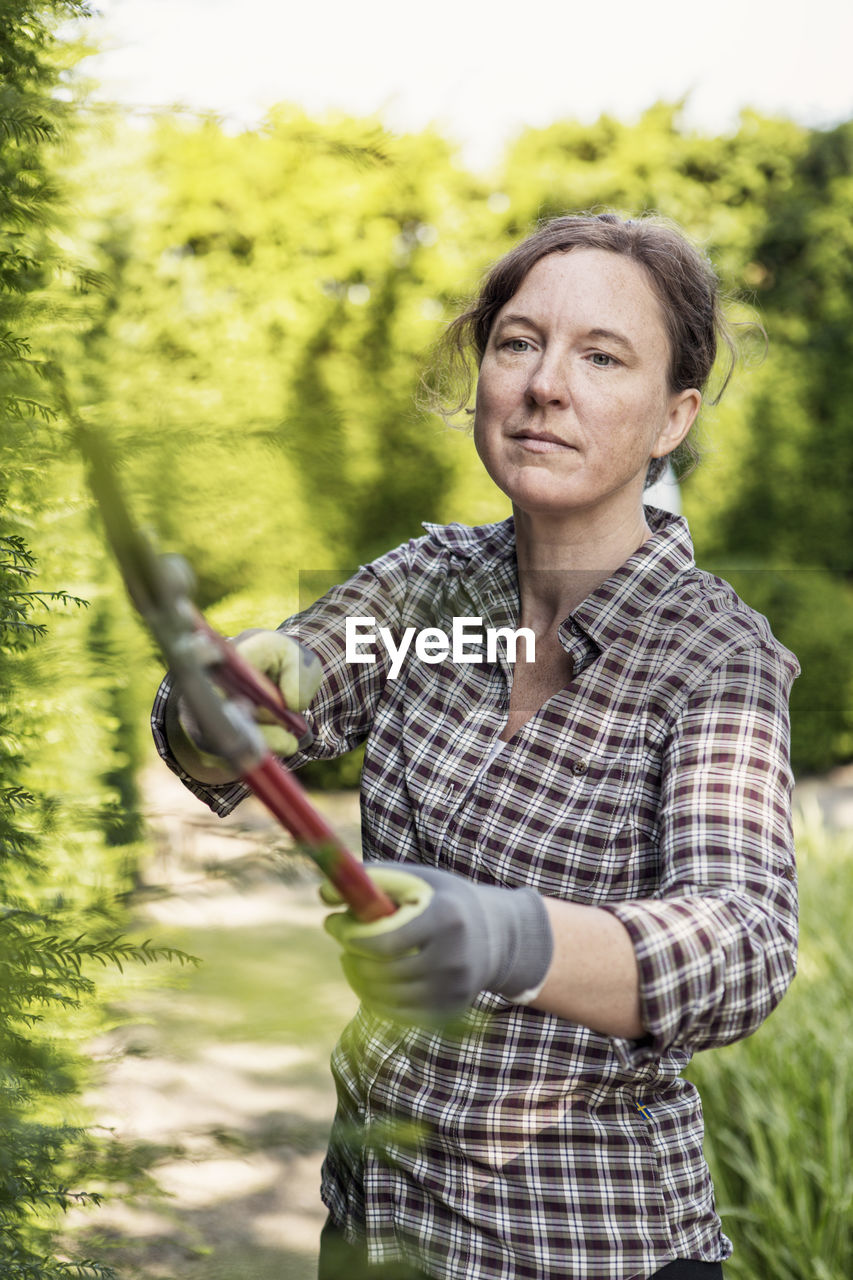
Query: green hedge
(810, 611)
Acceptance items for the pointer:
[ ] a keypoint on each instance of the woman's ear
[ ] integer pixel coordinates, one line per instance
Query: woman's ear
(683, 408)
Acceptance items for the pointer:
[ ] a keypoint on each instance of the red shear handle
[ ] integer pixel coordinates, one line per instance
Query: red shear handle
(284, 797)
(237, 676)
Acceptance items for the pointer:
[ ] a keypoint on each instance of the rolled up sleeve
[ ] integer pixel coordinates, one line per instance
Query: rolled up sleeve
(221, 799)
(716, 947)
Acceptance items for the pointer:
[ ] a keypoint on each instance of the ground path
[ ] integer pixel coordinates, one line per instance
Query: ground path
(223, 1071)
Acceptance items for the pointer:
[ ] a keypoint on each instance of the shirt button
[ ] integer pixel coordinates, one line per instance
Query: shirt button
(580, 767)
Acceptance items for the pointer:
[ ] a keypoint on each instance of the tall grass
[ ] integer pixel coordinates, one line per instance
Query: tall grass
(779, 1106)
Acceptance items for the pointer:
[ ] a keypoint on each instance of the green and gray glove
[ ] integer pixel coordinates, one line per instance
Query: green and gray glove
(297, 672)
(449, 939)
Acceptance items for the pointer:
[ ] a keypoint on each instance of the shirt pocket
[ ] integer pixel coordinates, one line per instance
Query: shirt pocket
(570, 829)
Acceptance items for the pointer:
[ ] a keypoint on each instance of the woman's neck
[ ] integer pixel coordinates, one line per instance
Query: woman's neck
(560, 562)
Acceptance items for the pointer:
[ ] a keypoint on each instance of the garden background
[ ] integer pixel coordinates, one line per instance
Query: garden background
(247, 316)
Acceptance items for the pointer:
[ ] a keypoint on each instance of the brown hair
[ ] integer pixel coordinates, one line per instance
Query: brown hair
(683, 278)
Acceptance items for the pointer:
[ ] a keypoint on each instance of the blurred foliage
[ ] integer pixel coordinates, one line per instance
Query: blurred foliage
(793, 498)
(256, 311)
(812, 613)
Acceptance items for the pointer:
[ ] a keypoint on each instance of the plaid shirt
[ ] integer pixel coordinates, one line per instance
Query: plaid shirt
(656, 786)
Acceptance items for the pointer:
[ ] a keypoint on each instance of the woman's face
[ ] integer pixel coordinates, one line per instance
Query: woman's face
(573, 398)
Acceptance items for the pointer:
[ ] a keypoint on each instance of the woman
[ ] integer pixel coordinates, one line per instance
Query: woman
(599, 866)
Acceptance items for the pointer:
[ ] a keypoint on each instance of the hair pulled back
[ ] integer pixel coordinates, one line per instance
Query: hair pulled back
(682, 277)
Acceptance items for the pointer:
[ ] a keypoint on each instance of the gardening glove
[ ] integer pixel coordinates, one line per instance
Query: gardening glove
(297, 672)
(449, 939)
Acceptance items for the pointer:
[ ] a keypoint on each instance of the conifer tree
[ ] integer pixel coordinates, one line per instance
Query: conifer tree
(50, 934)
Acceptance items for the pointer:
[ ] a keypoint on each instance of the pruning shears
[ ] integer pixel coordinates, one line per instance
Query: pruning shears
(220, 687)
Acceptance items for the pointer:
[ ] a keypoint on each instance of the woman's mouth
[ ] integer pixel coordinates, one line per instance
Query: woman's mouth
(540, 442)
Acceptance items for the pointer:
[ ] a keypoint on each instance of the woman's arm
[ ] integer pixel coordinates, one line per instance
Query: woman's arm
(708, 958)
(715, 948)
(700, 963)
(593, 978)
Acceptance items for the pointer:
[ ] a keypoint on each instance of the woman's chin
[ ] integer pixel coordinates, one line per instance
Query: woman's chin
(562, 498)
(544, 495)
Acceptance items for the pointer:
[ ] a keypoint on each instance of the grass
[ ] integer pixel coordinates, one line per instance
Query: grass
(779, 1105)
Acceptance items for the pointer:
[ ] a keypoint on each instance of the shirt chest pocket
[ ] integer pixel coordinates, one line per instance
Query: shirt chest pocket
(572, 829)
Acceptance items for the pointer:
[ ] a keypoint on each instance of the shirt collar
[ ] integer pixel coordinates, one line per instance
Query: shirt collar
(489, 543)
(619, 602)
(639, 583)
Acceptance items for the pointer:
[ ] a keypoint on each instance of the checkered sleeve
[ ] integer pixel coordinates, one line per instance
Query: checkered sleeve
(341, 712)
(716, 948)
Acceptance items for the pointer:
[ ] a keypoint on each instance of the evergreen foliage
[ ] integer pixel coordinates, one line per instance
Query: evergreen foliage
(58, 880)
(52, 931)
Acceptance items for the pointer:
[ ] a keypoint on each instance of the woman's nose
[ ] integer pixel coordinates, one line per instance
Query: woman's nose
(548, 382)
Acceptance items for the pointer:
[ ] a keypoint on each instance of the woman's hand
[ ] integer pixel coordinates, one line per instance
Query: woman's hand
(450, 939)
(294, 669)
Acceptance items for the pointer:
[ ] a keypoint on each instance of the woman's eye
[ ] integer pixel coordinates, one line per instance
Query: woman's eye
(602, 360)
(518, 344)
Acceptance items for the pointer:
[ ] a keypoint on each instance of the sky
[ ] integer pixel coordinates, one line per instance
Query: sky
(480, 72)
